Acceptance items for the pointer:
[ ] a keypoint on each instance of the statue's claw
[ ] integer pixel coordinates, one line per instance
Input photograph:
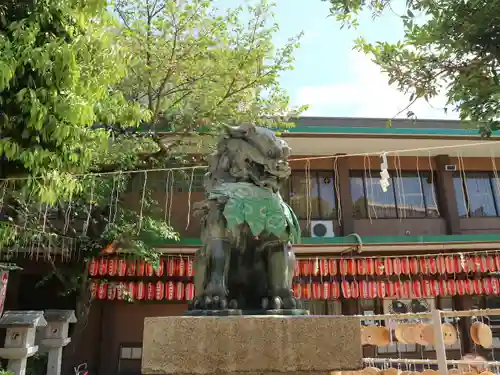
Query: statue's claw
(283, 301)
(213, 299)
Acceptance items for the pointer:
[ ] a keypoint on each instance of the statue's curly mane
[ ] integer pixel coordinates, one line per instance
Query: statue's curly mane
(239, 159)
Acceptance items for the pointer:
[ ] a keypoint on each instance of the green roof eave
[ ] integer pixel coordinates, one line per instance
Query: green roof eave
(386, 131)
(366, 240)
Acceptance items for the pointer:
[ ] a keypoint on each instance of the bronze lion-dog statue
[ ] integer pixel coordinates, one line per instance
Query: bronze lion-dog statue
(246, 261)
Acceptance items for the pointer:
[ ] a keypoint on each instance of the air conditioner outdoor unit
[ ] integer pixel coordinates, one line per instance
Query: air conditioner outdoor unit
(322, 229)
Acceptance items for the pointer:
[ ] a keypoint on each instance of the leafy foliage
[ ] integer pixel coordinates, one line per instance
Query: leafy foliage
(449, 45)
(78, 89)
(197, 67)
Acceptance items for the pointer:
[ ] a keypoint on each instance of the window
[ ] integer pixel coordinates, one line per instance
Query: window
(410, 195)
(320, 203)
(477, 194)
(130, 359)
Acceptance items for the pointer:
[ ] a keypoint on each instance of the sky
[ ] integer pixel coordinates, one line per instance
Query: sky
(333, 79)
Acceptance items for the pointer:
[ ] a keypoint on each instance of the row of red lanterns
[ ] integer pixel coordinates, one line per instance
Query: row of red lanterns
(130, 267)
(170, 290)
(427, 265)
(396, 289)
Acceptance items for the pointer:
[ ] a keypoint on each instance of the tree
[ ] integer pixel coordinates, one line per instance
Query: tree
(82, 98)
(195, 66)
(449, 45)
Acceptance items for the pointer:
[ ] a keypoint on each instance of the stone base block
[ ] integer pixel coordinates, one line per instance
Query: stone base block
(251, 345)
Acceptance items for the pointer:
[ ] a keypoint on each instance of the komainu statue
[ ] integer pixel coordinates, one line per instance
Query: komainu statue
(246, 261)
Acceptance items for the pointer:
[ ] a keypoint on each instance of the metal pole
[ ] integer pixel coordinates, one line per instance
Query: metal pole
(439, 342)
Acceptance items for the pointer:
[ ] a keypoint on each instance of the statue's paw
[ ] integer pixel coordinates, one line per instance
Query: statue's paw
(284, 301)
(213, 301)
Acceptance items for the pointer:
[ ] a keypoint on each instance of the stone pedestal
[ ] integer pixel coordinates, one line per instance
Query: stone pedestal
(251, 345)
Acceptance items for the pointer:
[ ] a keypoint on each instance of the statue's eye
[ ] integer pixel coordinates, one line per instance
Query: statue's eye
(270, 153)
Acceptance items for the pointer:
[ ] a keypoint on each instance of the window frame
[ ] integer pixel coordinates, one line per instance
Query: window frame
(465, 195)
(393, 176)
(315, 174)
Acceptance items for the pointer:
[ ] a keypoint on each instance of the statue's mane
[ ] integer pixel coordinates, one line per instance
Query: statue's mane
(238, 159)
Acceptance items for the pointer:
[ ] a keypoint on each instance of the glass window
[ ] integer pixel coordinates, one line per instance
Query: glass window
(476, 194)
(358, 197)
(410, 195)
(314, 197)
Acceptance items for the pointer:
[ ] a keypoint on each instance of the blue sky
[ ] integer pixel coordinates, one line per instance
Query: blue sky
(329, 76)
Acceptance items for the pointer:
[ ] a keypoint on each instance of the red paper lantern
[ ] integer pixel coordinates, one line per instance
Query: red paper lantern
(398, 288)
(150, 291)
(460, 287)
(390, 290)
(170, 290)
(161, 269)
(426, 288)
(355, 289)
(417, 289)
(432, 265)
(93, 267)
(159, 290)
(449, 264)
(363, 289)
(93, 289)
(332, 267)
(396, 264)
(406, 289)
(306, 291)
(469, 287)
(323, 267)
(102, 290)
(424, 266)
(122, 267)
(379, 266)
(443, 288)
(477, 287)
(190, 267)
(486, 285)
(316, 291)
(181, 267)
(451, 288)
(171, 267)
(414, 266)
(132, 289)
(140, 268)
(305, 267)
(149, 270)
(343, 267)
(405, 266)
(120, 290)
(382, 289)
(297, 291)
(325, 291)
(441, 265)
(189, 293)
(112, 267)
(434, 288)
(111, 291)
(141, 291)
(370, 267)
(103, 266)
(335, 290)
(372, 289)
(131, 268)
(490, 264)
(495, 286)
(388, 267)
(362, 268)
(346, 289)
(179, 291)
(497, 261)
